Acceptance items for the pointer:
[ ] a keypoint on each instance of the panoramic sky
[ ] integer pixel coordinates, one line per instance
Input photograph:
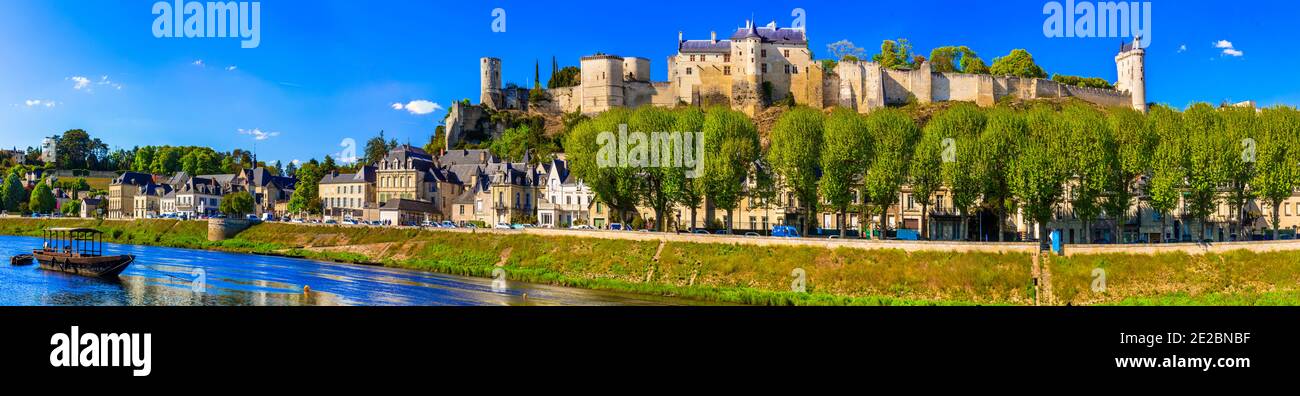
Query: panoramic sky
(327, 71)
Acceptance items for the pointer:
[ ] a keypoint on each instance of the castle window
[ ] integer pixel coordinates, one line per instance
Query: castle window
(726, 70)
(765, 68)
(692, 58)
(726, 58)
(787, 69)
(787, 53)
(763, 54)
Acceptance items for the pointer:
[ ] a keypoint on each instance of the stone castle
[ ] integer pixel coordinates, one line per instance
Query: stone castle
(757, 65)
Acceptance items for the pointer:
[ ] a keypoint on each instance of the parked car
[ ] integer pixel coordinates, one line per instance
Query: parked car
(517, 226)
(722, 232)
(581, 227)
(700, 231)
(616, 226)
(751, 234)
(785, 231)
(447, 224)
(469, 225)
(502, 226)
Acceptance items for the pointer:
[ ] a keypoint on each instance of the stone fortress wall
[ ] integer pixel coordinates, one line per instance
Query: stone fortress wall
(734, 71)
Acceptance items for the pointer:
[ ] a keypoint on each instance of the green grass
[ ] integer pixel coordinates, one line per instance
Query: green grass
(758, 275)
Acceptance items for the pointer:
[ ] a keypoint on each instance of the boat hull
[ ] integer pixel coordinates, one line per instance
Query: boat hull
(98, 267)
(22, 259)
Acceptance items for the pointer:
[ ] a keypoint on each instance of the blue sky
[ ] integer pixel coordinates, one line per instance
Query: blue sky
(326, 71)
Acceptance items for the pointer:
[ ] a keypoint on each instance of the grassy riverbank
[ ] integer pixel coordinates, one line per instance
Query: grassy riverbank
(745, 274)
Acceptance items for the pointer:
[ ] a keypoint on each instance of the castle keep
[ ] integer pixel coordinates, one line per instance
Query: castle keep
(758, 65)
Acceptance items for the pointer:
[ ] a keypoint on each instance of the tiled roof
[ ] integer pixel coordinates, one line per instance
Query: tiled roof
(134, 178)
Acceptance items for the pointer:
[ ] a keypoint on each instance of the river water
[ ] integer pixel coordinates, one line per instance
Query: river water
(168, 276)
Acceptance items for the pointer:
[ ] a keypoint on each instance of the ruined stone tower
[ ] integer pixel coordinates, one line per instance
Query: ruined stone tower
(1131, 64)
(490, 80)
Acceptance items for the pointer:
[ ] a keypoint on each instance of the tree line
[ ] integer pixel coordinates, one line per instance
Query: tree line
(1002, 160)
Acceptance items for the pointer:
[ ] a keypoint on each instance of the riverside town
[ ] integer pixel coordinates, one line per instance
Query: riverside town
(790, 154)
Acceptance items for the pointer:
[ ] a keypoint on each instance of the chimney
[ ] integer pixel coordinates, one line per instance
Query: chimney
(713, 36)
(679, 36)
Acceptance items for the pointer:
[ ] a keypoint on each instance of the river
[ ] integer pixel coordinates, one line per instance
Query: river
(169, 276)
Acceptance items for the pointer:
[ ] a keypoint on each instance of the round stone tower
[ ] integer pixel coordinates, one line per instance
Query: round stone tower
(490, 83)
(1131, 64)
(602, 82)
(636, 69)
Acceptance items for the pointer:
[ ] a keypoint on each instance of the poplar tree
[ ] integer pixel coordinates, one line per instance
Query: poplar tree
(845, 156)
(893, 140)
(1278, 159)
(795, 154)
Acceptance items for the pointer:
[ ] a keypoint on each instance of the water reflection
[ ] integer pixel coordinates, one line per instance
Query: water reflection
(165, 276)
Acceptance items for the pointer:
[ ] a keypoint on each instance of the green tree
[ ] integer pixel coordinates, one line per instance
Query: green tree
(1003, 130)
(143, 159)
(306, 196)
(731, 146)
(1278, 159)
(42, 199)
(167, 160)
(689, 191)
(1207, 152)
(1017, 63)
(1091, 161)
(1240, 132)
(1037, 172)
(569, 76)
(656, 180)
(1135, 145)
(74, 148)
(893, 141)
(795, 153)
(926, 173)
(376, 149)
(593, 155)
(237, 204)
(1168, 164)
(895, 55)
(845, 156)
(961, 126)
(961, 59)
(12, 192)
(71, 209)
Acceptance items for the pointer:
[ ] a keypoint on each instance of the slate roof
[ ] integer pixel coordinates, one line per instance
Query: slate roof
(134, 178)
(408, 205)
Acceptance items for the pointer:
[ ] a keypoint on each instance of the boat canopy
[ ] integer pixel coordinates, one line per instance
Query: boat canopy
(76, 230)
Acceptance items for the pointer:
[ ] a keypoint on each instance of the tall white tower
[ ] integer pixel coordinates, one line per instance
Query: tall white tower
(490, 81)
(1131, 64)
(49, 150)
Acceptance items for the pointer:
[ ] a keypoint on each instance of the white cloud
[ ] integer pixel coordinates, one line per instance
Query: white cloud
(418, 107)
(79, 82)
(257, 134)
(1182, 48)
(1228, 48)
(231, 68)
(103, 80)
(197, 62)
(40, 103)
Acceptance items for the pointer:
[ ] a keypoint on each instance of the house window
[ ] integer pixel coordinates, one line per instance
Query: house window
(764, 54)
(688, 70)
(726, 58)
(787, 53)
(787, 69)
(765, 68)
(692, 58)
(726, 70)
